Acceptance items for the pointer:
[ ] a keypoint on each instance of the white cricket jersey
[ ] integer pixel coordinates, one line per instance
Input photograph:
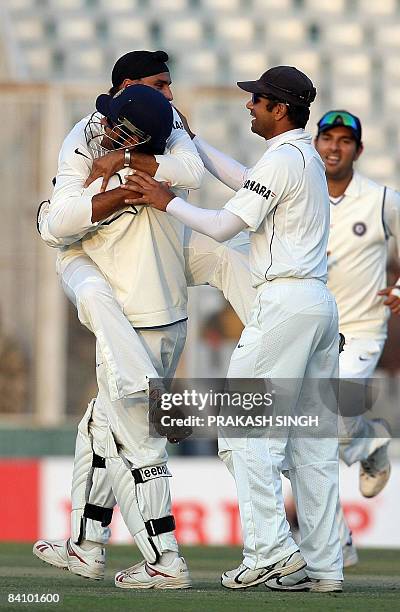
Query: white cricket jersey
(139, 250)
(361, 222)
(284, 201)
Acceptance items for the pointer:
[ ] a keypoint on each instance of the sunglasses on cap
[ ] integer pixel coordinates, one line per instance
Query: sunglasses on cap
(335, 118)
(256, 97)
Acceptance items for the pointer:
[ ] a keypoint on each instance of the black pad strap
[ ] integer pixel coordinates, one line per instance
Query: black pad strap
(161, 525)
(98, 513)
(98, 462)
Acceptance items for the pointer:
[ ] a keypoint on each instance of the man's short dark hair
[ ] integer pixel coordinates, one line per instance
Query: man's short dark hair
(297, 115)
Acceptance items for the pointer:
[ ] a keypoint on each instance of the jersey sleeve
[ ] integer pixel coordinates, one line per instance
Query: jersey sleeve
(218, 224)
(70, 211)
(267, 183)
(182, 167)
(229, 171)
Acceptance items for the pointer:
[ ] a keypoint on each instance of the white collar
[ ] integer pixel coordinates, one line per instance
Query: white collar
(289, 136)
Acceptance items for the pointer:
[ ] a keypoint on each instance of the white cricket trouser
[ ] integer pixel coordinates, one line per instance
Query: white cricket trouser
(221, 265)
(359, 436)
(120, 429)
(127, 364)
(292, 334)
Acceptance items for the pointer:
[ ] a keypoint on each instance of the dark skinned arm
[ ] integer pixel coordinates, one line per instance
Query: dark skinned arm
(107, 203)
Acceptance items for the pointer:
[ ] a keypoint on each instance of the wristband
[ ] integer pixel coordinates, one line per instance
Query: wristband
(395, 291)
(127, 158)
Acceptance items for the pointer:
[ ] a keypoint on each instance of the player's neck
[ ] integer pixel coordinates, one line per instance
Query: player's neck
(337, 187)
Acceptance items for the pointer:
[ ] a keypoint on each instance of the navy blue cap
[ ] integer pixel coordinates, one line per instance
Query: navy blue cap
(145, 108)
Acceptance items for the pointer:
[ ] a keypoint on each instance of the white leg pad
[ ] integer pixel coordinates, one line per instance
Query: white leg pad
(91, 492)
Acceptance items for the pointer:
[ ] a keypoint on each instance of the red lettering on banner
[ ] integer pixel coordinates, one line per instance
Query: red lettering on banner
(19, 510)
(232, 521)
(189, 518)
(358, 516)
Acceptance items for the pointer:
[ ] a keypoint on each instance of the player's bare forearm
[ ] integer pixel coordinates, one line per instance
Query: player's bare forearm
(109, 202)
(153, 193)
(145, 163)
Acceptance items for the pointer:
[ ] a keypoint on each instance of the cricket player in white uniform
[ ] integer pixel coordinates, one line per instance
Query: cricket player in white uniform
(127, 364)
(364, 215)
(292, 333)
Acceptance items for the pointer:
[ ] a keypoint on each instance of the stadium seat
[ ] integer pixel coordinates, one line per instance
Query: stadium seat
(198, 68)
(247, 64)
(343, 34)
(355, 97)
(29, 29)
(232, 6)
(309, 61)
(377, 9)
(281, 6)
(381, 167)
(288, 31)
(38, 61)
(186, 31)
(167, 6)
(391, 97)
(87, 62)
(351, 66)
(325, 7)
(122, 6)
(132, 29)
(388, 35)
(21, 5)
(391, 68)
(76, 28)
(67, 5)
(234, 30)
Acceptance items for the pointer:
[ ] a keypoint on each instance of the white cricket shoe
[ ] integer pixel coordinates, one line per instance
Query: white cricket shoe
(299, 581)
(374, 472)
(350, 556)
(52, 552)
(242, 577)
(86, 563)
(146, 575)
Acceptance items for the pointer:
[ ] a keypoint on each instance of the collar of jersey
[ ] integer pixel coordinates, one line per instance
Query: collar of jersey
(289, 136)
(353, 189)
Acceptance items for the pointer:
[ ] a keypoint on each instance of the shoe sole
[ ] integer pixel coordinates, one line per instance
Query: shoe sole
(382, 485)
(311, 588)
(42, 557)
(84, 573)
(159, 585)
(275, 573)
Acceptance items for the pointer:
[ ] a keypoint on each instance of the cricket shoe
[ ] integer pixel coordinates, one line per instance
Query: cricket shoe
(242, 577)
(67, 555)
(299, 581)
(86, 563)
(350, 556)
(145, 575)
(52, 552)
(375, 470)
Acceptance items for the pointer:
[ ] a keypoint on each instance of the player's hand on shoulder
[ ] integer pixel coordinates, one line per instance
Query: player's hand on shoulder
(392, 300)
(155, 194)
(105, 167)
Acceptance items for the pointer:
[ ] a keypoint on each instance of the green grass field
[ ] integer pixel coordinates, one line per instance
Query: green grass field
(374, 584)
